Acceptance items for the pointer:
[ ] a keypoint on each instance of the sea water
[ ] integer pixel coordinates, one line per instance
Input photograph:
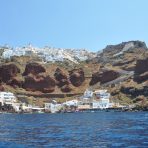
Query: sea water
(75, 130)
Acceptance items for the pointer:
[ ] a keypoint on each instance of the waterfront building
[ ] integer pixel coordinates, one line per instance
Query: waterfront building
(37, 109)
(97, 99)
(88, 94)
(7, 98)
(26, 107)
(8, 101)
(71, 103)
(16, 107)
(101, 99)
(83, 107)
(52, 107)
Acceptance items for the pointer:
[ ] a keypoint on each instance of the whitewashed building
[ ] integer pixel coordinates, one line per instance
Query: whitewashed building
(52, 107)
(16, 107)
(71, 103)
(7, 98)
(101, 99)
(98, 99)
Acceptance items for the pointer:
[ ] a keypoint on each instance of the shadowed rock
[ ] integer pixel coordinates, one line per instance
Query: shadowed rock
(135, 91)
(15, 83)
(41, 83)
(33, 68)
(104, 76)
(8, 71)
(66, 88)
(77, 77)
(141, 70)
(141, 66)
(61, 78)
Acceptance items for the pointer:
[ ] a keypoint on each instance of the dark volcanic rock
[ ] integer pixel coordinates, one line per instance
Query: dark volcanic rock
(66, 88)
(41, 83)
(15, 83)
(135, 91)
(33, 68)
(77, 77)
(141, 66)
(8, 71)
(141, 70)
(142, 77)
(104, 76)
(61, 78)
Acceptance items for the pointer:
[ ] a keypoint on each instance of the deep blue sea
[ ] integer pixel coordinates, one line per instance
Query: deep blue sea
(75, 130)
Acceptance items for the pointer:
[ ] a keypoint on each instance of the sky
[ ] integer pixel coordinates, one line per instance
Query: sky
(90, 24)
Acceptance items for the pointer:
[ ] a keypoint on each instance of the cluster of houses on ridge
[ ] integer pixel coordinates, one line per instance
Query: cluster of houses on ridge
(98, 99)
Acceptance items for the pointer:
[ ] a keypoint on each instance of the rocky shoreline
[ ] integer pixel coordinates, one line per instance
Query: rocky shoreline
(127, 109)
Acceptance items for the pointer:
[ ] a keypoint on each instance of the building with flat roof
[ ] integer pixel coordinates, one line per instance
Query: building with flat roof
(97, 99)
(7, 98)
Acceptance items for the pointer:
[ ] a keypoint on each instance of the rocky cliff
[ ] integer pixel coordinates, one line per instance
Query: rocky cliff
(36, 78)
(122, 69)
(104, 76)
(8, 72)
(77, 77)
(33, 68)
(141, 70)
(44, 84)
(121, 52)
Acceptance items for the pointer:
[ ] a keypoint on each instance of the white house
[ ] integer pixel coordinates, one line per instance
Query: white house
(87, 98)
(7, 98)
(71, 103)
(52, 107)
(16, 106)
(26, 107)
(102, 99)
(98, 99)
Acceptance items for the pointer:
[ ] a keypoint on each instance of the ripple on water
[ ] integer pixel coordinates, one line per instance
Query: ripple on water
(101, 129)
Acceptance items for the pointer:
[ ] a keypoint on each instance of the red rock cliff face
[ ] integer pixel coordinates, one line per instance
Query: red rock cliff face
(41, 83)
(33, 68)
(61, 77)
(8, 71)
(77, 77)
(34, 81)
(62, 80)
(66, 88)
(15, 82)
(103, 76)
